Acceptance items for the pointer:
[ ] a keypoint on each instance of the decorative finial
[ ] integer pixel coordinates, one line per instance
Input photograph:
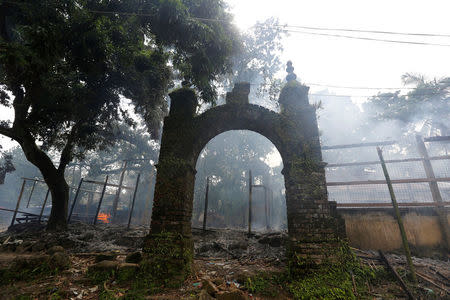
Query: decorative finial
(290, 70)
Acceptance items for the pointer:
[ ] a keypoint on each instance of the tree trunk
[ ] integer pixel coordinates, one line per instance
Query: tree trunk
(60, 202)
(54, 178)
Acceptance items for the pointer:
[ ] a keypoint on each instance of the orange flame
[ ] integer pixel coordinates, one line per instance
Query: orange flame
(104, 217)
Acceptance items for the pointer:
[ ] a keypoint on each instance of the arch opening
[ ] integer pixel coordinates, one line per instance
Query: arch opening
(226, 160)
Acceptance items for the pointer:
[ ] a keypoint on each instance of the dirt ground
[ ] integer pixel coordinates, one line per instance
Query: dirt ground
(221, 256)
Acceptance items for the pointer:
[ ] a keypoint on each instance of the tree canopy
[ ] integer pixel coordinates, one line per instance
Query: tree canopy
(427, 103)
(65, 65)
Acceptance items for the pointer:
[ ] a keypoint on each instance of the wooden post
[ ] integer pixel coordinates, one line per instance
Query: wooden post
(134, 198)
(434, 188)
(250, 186)
(31, 193)
(205, 212)
(101, 200)
(18, 203)
(119, 189)
(74, 200)
(398, 217)
(43, 205)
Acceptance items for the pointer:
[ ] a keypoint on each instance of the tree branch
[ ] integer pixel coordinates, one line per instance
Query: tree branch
(8, 132)
(20, 107)
(35, 155)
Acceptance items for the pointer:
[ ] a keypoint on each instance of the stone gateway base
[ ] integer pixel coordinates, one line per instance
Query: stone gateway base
(314, 227)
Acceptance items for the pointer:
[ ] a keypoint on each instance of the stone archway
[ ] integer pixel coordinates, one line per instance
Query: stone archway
(314, 227)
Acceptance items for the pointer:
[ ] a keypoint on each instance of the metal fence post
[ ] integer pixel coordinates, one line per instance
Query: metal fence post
(31, 193)
(75, 200)
(134, 198)
(101, 200)
(43, 205)
(119, 189)
(18, 202)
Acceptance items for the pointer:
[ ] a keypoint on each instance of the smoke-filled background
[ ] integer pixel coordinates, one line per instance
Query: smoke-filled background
(422, 108)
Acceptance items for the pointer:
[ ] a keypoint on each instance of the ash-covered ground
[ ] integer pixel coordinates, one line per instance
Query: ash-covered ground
(79, 238)
(86, 238)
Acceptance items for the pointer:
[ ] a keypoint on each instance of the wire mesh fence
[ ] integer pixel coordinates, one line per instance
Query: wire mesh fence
(90, 200)
(416, 166)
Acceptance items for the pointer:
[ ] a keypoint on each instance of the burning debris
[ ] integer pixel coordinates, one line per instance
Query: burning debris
(104, 218)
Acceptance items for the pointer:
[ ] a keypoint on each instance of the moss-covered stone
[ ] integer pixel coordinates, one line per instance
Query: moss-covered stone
(102, 271)
(29, 268)
(167, 258)
(332, 278)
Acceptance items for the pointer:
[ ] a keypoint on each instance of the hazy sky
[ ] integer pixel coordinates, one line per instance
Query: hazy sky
(348, 62)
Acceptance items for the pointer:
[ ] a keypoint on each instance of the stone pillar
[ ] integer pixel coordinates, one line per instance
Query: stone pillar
(313, 223)
(168, 249)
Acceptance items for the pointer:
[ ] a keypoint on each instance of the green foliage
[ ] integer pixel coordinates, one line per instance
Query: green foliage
(331, 279)
(26, 272)
(86, 59)
(266, 284)
(258, 61)
(28, 297)
(97, 276)
(106, 294)
(328, 285)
